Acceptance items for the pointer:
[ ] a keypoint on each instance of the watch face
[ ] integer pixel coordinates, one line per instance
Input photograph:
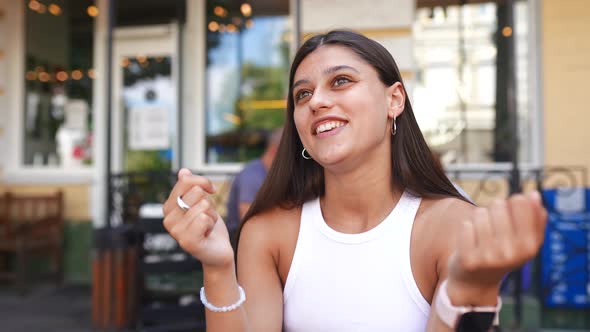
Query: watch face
(475, 322)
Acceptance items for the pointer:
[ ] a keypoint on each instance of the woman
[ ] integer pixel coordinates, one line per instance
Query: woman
(356, 228)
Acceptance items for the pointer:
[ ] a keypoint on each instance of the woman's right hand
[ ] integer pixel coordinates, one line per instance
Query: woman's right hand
(200, 231)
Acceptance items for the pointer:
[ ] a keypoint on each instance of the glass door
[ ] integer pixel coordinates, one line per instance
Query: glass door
(145, 98)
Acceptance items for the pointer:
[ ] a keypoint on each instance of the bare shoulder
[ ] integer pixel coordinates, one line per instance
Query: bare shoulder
(271, 230)
(445, 212)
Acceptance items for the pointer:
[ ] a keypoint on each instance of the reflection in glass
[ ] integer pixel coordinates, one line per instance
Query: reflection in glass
(58, 95)
(247, 72)
(150, 110)
(455, 88)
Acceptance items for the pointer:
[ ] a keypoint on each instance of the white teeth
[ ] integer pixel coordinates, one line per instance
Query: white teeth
(328, 126)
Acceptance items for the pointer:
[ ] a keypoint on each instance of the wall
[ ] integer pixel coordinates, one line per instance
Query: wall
(566, 68)
(388, 22)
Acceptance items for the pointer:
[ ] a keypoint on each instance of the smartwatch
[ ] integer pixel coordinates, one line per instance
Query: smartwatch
(465, 318)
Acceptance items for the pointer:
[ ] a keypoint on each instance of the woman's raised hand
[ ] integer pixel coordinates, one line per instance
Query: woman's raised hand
(497, 240)
(199, 230)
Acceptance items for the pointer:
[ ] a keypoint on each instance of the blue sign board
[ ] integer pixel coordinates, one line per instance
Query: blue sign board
(565, 256)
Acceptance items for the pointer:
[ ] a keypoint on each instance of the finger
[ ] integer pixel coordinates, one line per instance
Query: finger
(202, 224)
(523, 218)
(194, 195)
(183, 185)
(178, 230)
(540, 214)
(483, 229)
(467, 245)
(172, 218)
(500, 218)
(205, 206)
(522, 215)
(184, 172)
(192, 215)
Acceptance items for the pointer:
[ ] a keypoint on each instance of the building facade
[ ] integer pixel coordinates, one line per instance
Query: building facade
(96, 87)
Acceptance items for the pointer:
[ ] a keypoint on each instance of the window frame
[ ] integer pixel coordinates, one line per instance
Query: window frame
(16, 171)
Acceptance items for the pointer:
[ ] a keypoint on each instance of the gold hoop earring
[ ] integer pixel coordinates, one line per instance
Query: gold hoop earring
(393, 128)
(308, 157)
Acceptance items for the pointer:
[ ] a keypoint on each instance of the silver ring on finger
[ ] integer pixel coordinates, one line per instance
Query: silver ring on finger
(182, 204)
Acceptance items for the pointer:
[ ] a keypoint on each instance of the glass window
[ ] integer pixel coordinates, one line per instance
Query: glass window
(247, 76)
(458, 58)
(58, 76)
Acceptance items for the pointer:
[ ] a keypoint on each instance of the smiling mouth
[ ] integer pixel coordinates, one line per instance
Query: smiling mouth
(328, 126)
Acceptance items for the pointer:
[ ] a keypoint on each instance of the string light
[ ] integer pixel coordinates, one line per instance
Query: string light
(31, 75)
(91, 73)
(34, 5)
(44, 76)
(507, 31)
(92, 11)
(231, 28)
(213, 26)
(246, 9)
(125, 62)
(220, 11)
(42, 9)
(61, 76)
(55, 9)
(249, 24)
(77, 75)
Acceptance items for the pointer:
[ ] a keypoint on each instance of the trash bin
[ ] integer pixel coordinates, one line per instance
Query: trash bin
(114, 274)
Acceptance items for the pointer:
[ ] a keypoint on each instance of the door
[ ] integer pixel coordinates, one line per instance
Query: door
(145, 128)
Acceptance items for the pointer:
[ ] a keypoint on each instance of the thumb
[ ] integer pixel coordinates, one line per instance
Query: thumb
(184, 172)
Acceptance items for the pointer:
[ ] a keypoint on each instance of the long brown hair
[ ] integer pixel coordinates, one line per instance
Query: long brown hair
(292, 180)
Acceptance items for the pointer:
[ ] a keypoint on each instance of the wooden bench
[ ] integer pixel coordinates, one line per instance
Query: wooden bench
(31, 225)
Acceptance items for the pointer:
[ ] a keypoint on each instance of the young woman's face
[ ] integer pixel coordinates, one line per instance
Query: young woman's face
(342, 110)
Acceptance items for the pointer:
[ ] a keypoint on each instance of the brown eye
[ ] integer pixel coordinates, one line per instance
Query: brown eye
(302, 94)
(340, 81)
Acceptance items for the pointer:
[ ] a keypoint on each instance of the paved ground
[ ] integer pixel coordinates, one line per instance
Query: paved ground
(68, 309)
(46, 308)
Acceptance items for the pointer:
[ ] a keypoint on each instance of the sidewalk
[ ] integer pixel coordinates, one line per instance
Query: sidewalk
(46, 308)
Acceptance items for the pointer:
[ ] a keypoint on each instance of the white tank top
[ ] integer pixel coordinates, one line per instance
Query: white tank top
(354, 282)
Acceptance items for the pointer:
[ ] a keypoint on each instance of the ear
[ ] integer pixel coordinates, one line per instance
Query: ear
(396, 100)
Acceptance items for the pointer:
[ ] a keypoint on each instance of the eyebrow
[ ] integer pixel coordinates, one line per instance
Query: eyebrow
(328, 71)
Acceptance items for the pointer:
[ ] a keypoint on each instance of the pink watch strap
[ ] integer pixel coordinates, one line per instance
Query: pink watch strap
(450, 314)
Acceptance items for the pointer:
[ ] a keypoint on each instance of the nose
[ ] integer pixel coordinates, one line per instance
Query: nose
(320, 100)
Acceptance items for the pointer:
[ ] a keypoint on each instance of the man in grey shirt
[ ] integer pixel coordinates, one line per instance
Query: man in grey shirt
(246, 183)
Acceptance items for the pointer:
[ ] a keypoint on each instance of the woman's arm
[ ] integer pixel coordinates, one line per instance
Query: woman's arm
(202, 233)
(258, 276)
(490, 243)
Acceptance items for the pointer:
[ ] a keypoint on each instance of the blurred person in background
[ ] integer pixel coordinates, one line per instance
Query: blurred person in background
(248, 181)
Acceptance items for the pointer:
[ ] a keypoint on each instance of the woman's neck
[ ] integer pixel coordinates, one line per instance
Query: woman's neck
(359, 200)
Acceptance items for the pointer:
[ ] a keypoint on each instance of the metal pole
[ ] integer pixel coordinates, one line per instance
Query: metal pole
(515, 181)
(109, 95)
(462, 104)
(179, 85)
(297, 33)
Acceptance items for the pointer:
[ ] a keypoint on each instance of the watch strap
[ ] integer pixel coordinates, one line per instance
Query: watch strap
(450, 314)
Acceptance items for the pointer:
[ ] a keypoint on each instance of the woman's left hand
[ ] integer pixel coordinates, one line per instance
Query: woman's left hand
(498, 239)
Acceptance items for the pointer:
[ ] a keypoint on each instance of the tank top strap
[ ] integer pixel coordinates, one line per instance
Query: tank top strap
(410, 206)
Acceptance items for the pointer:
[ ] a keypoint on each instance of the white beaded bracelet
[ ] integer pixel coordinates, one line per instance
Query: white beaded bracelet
(226, 308)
